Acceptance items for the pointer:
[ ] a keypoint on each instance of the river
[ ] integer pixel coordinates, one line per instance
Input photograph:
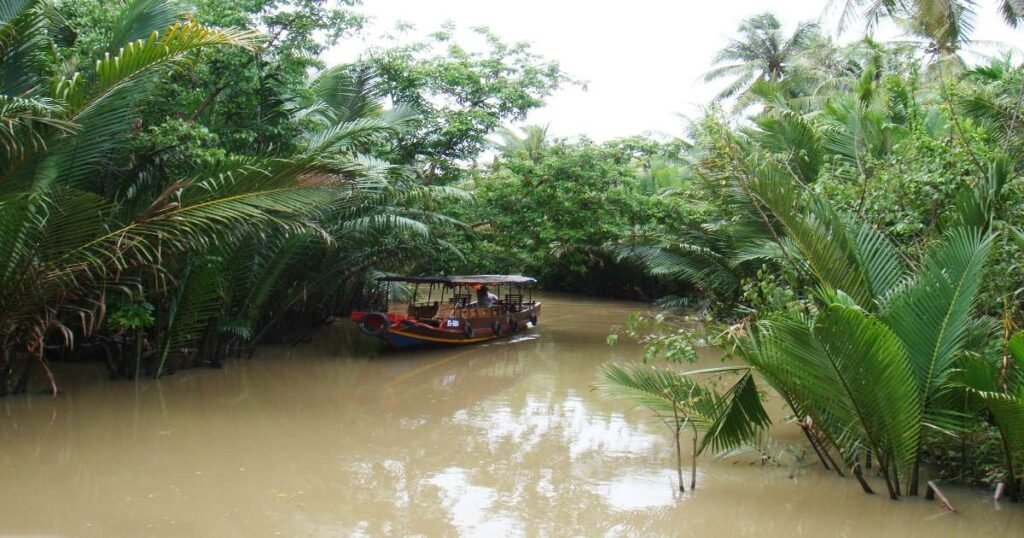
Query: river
(339, 438)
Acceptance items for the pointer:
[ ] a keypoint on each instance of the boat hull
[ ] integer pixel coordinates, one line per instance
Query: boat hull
(411, 333)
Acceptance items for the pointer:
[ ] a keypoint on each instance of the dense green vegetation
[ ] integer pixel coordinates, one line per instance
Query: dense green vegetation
(184, 182)
(550, 208)
(861, 250)
(177, 186)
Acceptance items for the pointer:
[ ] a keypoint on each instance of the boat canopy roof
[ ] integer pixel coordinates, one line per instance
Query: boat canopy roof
(464, 280)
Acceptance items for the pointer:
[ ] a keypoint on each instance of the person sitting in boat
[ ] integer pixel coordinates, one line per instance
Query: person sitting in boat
(484, 297)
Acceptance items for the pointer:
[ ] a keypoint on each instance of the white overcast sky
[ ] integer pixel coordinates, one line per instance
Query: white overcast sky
(643, 60)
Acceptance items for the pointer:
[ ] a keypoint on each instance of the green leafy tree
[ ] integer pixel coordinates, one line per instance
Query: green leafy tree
(551, 214)
(462, 95)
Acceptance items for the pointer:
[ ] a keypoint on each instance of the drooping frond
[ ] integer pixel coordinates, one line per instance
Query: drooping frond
(727, 420)
(22, 121)
(1012, 11)
(984, 384)
(649, 386)
(739, 419)
(844, 254)
(700, 265)
(197, 299)
(115, 71)
(24, 30)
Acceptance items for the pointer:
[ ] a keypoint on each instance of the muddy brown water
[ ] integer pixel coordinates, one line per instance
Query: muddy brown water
(338, 438)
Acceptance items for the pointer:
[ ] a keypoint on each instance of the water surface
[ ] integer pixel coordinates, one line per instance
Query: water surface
(336, 438)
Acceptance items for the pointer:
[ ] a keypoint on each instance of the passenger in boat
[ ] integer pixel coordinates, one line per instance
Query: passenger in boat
(484, 297)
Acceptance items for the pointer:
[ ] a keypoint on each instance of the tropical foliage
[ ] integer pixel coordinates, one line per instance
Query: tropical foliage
(150, 218)
(179, 183)
(858, 247)
(548, 207)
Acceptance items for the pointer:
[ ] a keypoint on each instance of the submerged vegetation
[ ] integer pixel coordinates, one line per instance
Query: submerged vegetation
(184, 182)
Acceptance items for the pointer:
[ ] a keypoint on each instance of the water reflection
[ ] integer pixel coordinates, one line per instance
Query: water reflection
(337, 438)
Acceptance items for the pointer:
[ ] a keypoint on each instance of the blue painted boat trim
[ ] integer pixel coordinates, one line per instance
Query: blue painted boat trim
(404, 342)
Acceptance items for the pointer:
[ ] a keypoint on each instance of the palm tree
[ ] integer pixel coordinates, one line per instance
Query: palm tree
(945, 24)
(991, 99)
(77, 232)
(877, 360)
(1012, 12)
(742, 236)
(993, 386)
(877, 319)
(949, 12)
(532, 141)
(62, 240)
(272, 281)
(762, 52)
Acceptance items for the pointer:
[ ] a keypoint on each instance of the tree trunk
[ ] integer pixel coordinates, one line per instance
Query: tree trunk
(693, 468)
(679, 463)
(41, 359)
(1011, 478)
(138, 353)
(860, 478)
(5, 374)
(677, 430)
(22, 385)
(884, 467)
(912, 488)
(896, 479)
(814, 445)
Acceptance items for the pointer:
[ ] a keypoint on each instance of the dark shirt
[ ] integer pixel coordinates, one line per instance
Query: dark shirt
(485, 299)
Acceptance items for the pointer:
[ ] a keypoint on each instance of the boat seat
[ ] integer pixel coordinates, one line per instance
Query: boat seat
(425, 311)
(514, 302)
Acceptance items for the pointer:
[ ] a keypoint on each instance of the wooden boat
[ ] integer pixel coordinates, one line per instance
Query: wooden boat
(448, 310)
